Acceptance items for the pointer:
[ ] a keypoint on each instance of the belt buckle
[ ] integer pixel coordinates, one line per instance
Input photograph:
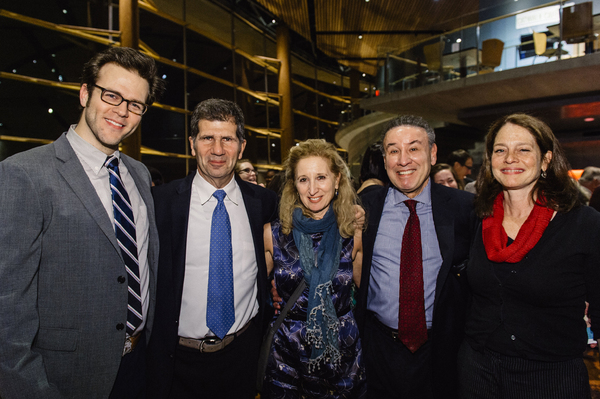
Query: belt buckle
(210, 341)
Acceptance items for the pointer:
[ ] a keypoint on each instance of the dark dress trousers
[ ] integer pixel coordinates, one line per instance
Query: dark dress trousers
(172, 202)
(454, 223)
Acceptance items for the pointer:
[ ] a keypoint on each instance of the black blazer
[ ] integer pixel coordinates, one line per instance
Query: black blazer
(172, 204)
(454, 223)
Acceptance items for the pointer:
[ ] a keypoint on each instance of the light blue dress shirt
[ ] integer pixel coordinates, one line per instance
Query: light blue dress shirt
(384, 285)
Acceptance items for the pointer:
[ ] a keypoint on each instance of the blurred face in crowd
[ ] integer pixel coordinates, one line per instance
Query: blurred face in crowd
(408, 158)
(247, 172)
(463, 170)
(446, 178)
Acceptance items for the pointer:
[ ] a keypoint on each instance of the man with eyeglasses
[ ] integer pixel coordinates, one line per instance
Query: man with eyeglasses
(462, 162)
(79, 247)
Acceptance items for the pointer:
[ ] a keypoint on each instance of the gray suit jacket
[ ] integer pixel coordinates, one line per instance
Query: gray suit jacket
(60, 295)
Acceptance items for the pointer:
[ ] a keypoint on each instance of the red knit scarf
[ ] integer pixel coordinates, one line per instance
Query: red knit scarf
(495, 238)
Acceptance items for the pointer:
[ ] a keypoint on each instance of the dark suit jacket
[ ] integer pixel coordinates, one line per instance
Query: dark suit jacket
(453, 219)
(172, 210)
(60, 263)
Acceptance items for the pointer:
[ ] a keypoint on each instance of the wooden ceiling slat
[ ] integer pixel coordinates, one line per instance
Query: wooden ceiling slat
(375, 15)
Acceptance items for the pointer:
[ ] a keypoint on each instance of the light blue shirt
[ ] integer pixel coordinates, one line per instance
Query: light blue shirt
(384, 285)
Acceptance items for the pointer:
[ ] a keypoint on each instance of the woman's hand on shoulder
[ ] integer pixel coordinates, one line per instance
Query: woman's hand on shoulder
(359, 217)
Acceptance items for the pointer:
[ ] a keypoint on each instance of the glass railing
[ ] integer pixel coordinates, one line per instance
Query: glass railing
(546, 33)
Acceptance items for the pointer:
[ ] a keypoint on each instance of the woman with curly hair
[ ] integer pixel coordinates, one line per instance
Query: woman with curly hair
(316, 351)
(534, 263)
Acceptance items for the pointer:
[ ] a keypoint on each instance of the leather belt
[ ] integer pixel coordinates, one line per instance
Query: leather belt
(390, 332)
(212, 344)
(130, 343)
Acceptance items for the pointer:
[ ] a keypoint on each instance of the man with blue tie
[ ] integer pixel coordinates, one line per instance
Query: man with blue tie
(212, 300)
(80, 248)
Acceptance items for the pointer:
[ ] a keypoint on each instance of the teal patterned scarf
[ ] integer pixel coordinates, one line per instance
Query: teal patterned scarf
(319, 270)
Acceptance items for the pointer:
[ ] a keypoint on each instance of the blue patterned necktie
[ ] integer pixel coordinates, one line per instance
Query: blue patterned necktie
(125, 232)
(220, 313)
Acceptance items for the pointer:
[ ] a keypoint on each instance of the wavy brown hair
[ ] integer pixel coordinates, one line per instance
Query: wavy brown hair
(560, 191)
(343, 204)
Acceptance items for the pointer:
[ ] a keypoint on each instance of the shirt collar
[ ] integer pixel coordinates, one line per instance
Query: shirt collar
(206, 190)
(89, 154)
(424, 197)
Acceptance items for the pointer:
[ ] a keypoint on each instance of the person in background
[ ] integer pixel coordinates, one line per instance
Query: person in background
(157, 178)
(534, 263)
(316, 352)
(80, 248)
(589, 181)
(413, 295)
(246, 171)
(444, 174)
(372, 169)
(269, 176)
(462, 163)
(212, 304)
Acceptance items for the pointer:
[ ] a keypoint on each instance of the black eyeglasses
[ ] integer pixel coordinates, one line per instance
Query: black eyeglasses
(247, 170)
(112, 98)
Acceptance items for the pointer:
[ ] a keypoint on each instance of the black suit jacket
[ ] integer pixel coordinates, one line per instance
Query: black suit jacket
(454, 223)
(172, 204)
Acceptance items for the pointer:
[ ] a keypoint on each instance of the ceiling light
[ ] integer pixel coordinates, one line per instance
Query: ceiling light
(360, 36)
(50, 110)
(273, 21)
(458, 40)
(364, 74)
(64, 11)
(164, 76)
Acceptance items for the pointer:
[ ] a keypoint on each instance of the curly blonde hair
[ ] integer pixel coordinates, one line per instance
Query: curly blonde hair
(343, 204)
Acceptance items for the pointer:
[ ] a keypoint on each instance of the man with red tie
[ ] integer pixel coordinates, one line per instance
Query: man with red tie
(413, 296)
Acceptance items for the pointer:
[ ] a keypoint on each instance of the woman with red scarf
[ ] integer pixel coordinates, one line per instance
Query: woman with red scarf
(534, 262)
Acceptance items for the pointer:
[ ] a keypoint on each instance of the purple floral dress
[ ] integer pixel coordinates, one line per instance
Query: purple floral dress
(287, 373)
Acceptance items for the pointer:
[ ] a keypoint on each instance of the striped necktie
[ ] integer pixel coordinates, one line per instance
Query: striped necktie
(125, 232)
(220, 312)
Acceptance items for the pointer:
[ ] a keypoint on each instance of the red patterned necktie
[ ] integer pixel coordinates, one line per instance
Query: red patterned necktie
(412, 329)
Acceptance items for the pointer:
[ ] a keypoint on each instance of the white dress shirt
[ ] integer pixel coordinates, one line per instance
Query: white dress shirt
(192, 318)
(92, 160)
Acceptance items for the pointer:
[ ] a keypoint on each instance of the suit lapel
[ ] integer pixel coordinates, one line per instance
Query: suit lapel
(375, 211)
(74, 174)
(180, 211)
(253, 206)
(444, 228)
